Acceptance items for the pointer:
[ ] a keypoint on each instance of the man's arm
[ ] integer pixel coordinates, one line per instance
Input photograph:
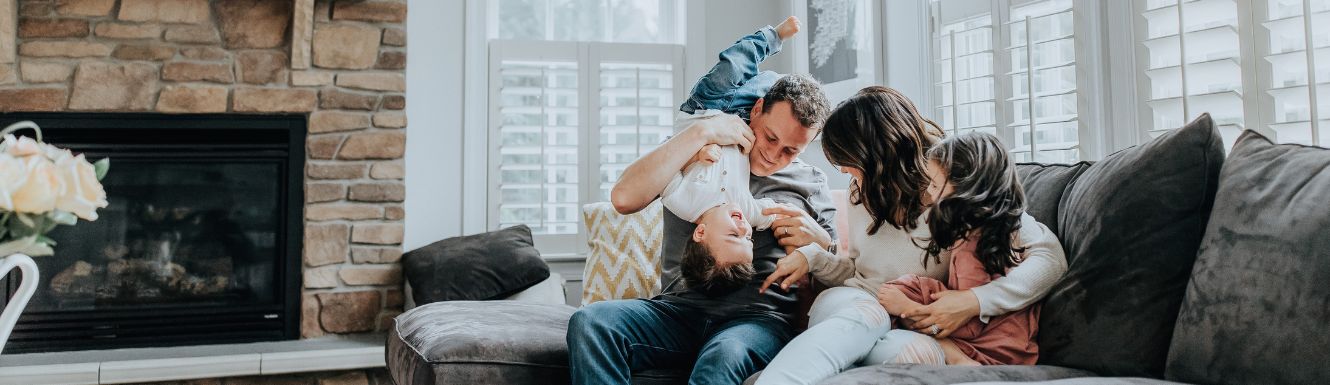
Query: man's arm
(644, 180)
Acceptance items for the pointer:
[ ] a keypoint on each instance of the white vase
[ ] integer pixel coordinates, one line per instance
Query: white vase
(16, 304)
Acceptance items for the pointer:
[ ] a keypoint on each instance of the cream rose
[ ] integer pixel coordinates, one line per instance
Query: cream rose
(82, 194)
(21, 146)
(39, 192)
(12, 176)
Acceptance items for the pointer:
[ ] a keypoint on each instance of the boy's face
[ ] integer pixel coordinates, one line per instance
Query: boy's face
(727, 234)
(778, 138)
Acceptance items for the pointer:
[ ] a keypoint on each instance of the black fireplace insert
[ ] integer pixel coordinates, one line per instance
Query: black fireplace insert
(200, 244)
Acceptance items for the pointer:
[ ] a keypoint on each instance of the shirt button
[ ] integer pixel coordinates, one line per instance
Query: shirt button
(722, 189)
(725, 172)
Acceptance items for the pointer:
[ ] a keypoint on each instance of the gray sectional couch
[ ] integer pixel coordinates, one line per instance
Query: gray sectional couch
(1186, 265)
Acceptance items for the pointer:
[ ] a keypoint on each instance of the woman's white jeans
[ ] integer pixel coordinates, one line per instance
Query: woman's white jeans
(847, 327)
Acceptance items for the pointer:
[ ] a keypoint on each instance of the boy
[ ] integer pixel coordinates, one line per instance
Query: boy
(712, 189)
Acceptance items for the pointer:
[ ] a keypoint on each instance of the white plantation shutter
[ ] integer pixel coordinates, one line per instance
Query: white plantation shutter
(981, 76)
(964, 73)
(639, 88)
(1192, 63)
(1290, 63)
(1049, 69)
(565, 119)
(535, 136)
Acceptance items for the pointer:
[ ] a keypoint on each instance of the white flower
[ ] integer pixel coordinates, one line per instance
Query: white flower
(82, 194)
(39, 191)
(12, 175)
(21, 146)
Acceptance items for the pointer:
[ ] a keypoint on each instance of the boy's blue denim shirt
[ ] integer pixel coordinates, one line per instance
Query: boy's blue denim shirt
(734, 84)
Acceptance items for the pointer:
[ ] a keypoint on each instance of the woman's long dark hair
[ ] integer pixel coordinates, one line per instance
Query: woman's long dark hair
(988, 200)
(879, 131)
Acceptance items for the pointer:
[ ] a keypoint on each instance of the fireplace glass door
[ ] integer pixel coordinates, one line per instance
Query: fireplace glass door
(200, 242)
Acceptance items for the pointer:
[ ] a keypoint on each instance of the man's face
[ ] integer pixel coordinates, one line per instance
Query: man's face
(778, 138)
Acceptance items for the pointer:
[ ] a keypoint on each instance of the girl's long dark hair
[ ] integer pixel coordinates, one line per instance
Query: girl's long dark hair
(879, 131)
(987, 202)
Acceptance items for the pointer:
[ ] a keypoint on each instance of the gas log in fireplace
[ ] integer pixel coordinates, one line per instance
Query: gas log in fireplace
(200, 243)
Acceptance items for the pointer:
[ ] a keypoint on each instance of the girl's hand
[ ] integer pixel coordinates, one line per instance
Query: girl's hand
(724, 130)
(792, 268)
(796, 228)
(949, 311)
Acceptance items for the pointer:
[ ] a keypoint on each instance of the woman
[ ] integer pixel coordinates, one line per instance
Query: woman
(880, 139)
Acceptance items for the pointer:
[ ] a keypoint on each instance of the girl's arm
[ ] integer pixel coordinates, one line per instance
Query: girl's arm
(1045, 263)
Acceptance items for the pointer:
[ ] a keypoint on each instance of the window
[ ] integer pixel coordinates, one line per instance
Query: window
(1294, 41)
(1257, 65)
(565, 119)
(623, 21)
(984, 73)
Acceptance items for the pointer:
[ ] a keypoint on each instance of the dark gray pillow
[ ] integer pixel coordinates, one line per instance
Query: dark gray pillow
(1044, 186)
(484, 266)
(1259, 299)
(1131, 225)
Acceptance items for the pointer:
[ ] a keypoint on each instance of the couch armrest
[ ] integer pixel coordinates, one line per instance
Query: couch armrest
(550, 291)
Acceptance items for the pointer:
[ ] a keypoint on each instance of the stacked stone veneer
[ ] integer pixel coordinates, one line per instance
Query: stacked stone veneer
(236, 56)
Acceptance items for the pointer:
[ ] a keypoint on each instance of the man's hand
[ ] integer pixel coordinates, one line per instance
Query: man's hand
(949, 311)
(797, 228)
(724, 130)
(792, 268)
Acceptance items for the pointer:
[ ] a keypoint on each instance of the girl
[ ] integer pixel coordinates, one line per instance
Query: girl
(880, 139)
(978, 212)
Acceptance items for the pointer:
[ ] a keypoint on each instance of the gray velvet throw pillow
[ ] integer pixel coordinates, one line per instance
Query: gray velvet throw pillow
(1130, 225)
(1044, 185)
(1259, 299)
(484, 266)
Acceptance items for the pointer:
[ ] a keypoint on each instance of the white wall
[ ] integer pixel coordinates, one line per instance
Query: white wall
(434, 113)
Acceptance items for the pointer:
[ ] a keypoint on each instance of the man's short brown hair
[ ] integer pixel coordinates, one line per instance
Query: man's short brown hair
(805, 96)
(700, 272)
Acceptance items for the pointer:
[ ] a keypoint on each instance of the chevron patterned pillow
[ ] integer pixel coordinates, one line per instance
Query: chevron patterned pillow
(624, 261)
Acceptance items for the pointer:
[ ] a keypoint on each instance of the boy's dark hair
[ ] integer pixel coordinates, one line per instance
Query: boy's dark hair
(700, 272)
(807, 101)
(988, 199)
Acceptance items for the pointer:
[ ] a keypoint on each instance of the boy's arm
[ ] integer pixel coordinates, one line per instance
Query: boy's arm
(737, 64)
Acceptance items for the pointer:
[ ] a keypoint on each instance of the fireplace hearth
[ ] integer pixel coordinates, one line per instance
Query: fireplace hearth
(201, 242)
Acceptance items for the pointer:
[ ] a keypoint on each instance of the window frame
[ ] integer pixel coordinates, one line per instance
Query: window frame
(589, 56)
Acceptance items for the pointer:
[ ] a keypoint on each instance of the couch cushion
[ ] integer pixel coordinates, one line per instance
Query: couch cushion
(624, 257)
(936, 374)
(1086, 381)
(490, 342)
(1256, 308)
(1044, 186)
(1131, 225)
(483, 266)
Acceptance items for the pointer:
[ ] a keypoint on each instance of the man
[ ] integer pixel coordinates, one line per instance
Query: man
(726, 337)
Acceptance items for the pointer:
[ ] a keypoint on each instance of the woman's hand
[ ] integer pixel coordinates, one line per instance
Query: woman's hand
(793, 267)
(797, 228)
(949, 311)
(724, 130)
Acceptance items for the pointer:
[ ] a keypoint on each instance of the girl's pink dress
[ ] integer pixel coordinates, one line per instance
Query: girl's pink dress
(1005, 340)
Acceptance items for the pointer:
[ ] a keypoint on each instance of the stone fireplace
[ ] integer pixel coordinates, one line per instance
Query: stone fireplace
(340, 64)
